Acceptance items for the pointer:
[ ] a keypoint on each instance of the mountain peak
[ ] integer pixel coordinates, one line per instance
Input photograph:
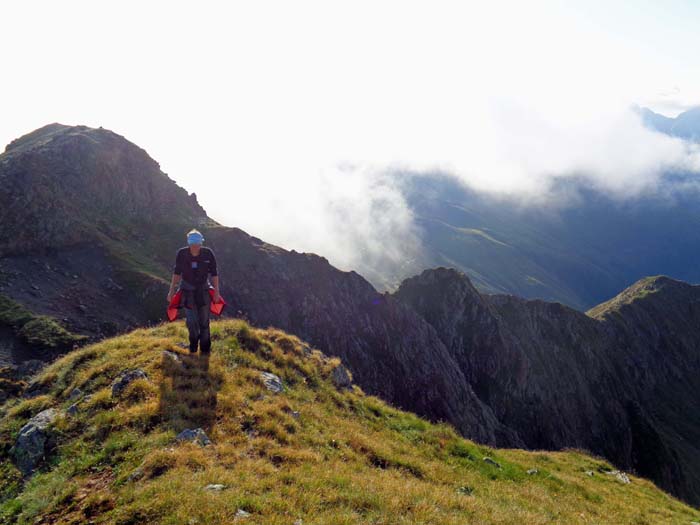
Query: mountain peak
(653, 287)
(70, 184)
(686, 125)
(45, 135)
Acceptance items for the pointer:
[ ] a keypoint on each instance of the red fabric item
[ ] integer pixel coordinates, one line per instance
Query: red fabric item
(216, 308)
(174, 306)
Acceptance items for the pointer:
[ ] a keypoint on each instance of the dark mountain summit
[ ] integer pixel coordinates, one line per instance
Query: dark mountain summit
(503, 370)
(67, 185)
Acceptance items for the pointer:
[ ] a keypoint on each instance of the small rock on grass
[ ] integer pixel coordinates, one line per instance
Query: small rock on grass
(532, 471)
(492, 461)
(75, 394)
(341, 378)
(215, 487)
(272, 382)
(196, 435)
(125, 379)
(136, 475)
(240, 513)
(465, 491)
(172, 356)
(621, 476)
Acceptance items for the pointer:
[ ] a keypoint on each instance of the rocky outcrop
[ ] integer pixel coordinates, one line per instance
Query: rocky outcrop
(125, 379)
(197, 436)
(34, 441)
(618, 381)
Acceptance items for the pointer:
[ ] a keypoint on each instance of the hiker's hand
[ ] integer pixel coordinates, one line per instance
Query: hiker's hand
(217, 296)
(170, 296)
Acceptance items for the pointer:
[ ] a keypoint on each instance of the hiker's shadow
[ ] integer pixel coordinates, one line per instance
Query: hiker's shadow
(188, 391)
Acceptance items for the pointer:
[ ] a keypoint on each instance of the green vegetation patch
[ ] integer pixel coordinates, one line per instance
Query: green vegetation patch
(36, 330)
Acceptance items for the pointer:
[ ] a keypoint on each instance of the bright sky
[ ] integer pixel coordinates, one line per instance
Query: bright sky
(262, 107)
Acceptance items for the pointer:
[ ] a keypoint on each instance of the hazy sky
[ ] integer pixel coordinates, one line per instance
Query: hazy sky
(284, 116)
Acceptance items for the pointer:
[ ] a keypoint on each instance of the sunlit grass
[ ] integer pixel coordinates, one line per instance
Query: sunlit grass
(311, 453)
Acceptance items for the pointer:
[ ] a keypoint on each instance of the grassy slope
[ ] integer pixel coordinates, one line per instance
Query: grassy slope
(347, 458)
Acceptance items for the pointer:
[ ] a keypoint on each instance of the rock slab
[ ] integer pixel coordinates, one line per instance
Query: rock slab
(34, 441)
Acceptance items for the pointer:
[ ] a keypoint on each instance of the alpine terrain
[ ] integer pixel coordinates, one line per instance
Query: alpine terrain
(95, 225)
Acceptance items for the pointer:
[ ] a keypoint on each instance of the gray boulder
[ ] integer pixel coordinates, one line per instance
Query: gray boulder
(172, 356)
(125, 379)
(34, 441)
(75, 394)
(341, 378)
(272, 382)
(196, 435)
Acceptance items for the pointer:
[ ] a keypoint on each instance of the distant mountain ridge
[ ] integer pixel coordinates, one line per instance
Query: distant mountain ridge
(503, 370)
(686, 125)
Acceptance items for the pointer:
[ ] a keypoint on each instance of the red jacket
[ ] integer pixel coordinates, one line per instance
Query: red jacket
(174, 306)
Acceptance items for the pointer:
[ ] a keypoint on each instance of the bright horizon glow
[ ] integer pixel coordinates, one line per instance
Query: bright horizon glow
(280, 114)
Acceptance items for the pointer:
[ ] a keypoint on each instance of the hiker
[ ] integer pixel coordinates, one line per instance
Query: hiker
(193, 265)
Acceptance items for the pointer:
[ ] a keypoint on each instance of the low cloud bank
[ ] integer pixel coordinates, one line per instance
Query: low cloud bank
(355, 214)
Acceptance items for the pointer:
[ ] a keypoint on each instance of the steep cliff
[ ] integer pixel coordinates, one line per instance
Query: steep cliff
(618, 382)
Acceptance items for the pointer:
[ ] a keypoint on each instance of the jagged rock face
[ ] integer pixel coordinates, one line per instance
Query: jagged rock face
(618, 382)
(62, 185)
(390, 350)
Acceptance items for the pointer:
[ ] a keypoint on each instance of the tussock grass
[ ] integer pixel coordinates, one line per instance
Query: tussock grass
(310, 452)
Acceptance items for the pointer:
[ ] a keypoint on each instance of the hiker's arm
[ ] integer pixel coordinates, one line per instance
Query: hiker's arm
(177, 276)
(215, 283)
(214, 272)
(173, 284)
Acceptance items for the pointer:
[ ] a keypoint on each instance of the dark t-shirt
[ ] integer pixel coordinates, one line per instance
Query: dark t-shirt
(193, 269)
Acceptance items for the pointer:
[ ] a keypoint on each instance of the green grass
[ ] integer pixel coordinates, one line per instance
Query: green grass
(311, 453)
(36, 330)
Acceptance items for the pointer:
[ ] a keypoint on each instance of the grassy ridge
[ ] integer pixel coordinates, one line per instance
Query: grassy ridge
(310, 453)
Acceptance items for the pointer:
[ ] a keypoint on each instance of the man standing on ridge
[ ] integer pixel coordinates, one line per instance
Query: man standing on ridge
(193, 265)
